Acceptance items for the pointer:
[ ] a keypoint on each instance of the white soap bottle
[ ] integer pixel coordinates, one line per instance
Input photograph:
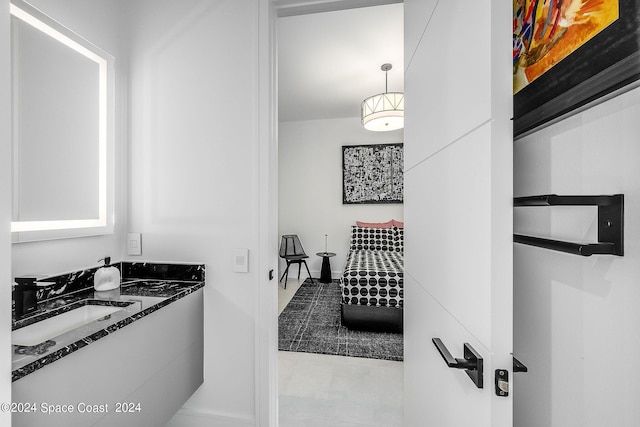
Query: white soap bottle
(107, 277)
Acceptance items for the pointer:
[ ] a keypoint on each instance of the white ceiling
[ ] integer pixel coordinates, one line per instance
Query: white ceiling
(329, 62)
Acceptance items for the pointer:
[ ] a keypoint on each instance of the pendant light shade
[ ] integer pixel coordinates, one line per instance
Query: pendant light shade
(385, 111)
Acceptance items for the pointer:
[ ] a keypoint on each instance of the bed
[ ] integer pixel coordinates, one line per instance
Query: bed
(372, 281)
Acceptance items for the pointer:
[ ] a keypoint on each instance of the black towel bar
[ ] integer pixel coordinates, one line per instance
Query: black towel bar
(610, 224)
(555, 200)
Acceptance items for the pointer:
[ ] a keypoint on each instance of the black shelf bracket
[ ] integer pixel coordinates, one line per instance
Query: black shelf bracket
(610, 224)
(472, 362)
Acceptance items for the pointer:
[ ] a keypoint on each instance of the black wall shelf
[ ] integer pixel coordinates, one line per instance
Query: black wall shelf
(610, 224)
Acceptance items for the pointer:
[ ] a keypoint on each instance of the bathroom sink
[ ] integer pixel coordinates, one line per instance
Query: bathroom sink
(44, 330)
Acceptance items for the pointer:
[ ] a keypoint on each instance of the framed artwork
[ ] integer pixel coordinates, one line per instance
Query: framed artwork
(568, 53)
(372, 173)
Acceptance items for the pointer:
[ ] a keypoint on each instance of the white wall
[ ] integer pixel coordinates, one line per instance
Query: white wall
(99, 22)
(193, 171)
(5, 211)
(576, 319)
(310, 187)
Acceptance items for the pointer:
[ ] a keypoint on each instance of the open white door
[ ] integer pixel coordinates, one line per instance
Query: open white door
(458, 209)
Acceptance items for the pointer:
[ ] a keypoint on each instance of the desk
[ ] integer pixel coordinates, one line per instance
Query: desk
(325, 273)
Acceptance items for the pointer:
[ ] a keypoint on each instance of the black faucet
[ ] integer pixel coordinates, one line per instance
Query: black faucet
(25, 296)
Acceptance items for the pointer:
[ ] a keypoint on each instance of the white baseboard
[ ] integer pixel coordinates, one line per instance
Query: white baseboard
(192, 418)
(316, 274)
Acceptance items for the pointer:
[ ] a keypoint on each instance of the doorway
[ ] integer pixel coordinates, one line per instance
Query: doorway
(317, 387)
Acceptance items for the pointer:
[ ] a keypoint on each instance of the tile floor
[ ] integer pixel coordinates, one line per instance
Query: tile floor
(285, 295)
(317, 390)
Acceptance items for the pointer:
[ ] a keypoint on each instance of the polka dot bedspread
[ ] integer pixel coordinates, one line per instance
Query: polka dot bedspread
(373, 274)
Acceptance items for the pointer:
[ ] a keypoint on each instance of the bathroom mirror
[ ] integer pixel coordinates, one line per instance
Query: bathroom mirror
(62, 88)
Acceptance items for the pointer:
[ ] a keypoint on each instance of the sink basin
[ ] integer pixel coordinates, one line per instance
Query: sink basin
(44, 330)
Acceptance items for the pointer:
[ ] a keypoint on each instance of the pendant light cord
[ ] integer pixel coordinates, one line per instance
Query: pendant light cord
(386, 82)
(386, 68)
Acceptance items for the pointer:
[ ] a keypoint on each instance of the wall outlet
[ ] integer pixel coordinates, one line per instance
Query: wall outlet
(241, 260)
(134, 244)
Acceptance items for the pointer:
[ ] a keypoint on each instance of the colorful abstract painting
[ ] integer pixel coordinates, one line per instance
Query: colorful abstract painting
(547, 31)
(372, 173)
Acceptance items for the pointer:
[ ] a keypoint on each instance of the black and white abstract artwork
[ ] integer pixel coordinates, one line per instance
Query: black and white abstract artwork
(372, 173)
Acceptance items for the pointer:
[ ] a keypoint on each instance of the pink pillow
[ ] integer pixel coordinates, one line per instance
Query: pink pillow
(399, 224)
(387, 224)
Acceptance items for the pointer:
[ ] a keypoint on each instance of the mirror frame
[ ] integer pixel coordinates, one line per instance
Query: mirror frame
(104, 224)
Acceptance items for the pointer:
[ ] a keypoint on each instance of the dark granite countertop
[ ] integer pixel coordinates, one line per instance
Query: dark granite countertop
(135, 299)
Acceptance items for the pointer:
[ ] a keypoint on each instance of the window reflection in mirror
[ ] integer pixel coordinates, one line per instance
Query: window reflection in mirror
(61, 130)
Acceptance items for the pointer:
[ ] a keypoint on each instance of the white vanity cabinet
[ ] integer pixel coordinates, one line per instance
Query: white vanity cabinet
(140, 375)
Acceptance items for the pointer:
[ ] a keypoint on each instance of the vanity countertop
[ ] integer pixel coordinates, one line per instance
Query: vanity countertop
(135, 299)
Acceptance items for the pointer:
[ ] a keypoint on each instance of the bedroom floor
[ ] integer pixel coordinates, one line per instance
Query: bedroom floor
(323, 390)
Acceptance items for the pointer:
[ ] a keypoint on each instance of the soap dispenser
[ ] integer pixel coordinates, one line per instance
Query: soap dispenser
(107, 277)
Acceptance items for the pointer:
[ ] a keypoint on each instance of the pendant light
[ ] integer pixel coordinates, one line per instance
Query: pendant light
(385, 111)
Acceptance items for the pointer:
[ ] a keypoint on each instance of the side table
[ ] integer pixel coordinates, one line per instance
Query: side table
(325, 273)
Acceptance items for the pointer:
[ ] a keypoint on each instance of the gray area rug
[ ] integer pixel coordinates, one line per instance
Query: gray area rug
(310, 323)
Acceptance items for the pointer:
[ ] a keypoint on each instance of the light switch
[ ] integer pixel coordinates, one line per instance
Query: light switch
(241, 260)
(134, 244)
